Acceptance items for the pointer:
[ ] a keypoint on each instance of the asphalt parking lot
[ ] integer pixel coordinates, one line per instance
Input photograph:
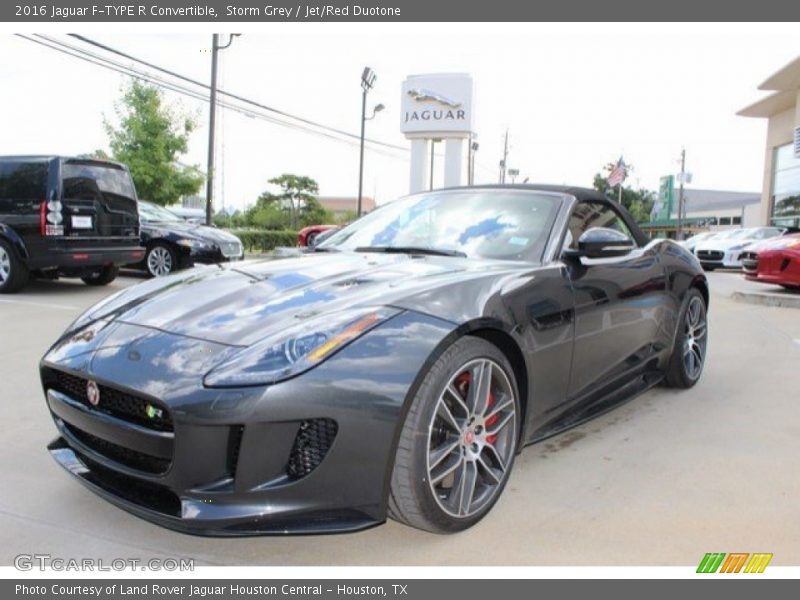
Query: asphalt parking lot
(659, 481)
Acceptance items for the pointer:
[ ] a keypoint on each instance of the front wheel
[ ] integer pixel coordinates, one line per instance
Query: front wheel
(102, 277)
(160, 260)
(457, 446)
(691, 340)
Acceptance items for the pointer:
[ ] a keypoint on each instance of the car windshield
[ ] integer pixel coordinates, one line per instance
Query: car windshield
(157, 214)
(509, 224)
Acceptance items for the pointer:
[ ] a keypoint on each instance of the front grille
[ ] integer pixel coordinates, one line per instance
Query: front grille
(113, 402)
(312, 443)
(230, 249)
(710, 254)
(124, 456)
(132, 489)
(750, 261)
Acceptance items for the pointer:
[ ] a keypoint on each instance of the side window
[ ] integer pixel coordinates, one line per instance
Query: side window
(23, 181)
(588, 215)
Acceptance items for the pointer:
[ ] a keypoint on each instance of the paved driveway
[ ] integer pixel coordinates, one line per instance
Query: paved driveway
(659, 481)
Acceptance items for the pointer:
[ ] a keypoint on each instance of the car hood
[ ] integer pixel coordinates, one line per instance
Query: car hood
(191, 230)
(239, 305)
(722, 245)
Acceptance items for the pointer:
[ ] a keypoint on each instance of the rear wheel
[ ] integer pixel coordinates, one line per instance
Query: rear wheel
(13, 272)
(102, 277)
(160, 260)
(457, 446)
(691, 340)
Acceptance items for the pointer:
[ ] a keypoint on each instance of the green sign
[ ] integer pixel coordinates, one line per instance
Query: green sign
(662, 209)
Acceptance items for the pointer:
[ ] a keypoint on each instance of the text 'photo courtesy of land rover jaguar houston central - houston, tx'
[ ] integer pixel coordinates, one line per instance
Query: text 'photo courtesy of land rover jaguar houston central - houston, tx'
(394, 371)
(65, 217)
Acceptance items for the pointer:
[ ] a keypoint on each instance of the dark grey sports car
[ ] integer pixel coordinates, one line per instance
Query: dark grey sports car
(395, 371)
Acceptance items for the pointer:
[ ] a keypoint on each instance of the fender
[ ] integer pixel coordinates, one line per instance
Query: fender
(12, 237)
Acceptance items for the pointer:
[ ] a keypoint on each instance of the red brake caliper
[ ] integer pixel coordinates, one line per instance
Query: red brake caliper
(491, 439)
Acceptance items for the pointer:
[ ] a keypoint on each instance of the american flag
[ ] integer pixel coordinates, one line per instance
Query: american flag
(617, 174)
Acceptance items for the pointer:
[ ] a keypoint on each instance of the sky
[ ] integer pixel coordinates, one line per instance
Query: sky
(573, 98)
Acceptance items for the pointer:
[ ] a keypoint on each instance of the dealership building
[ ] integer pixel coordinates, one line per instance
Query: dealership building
(780, 195)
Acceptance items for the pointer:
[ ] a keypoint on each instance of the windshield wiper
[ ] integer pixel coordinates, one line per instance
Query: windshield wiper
(411, 250)
(324, 249)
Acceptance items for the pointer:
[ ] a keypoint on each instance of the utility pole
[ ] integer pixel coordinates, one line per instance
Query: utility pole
(679, 226)
(212, 115)
(505, 160)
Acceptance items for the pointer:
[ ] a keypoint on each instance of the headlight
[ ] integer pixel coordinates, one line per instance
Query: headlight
(297, 349)
(194, 244)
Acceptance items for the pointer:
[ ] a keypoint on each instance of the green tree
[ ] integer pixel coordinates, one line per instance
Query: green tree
(638, 202)
(297, 196)
(149, 138)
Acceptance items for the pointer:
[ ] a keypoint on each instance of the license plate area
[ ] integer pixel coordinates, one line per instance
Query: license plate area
(81, 222)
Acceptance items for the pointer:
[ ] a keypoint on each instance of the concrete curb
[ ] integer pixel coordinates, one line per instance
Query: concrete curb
(766, 299)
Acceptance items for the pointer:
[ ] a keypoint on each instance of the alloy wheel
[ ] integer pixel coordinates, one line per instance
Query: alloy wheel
(696, 330)
(5, 265)
(159, 261)
(471, 438)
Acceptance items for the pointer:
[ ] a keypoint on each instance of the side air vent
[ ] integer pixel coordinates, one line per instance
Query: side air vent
(314, 439)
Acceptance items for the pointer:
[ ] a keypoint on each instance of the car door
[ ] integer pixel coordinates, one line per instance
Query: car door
(618, 306)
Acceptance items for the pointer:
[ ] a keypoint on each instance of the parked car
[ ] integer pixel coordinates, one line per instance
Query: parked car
(725, 250)
(775, 261)
(307, 236)
(172, 243)
(691, 243)
(65, 217)
(394, 372)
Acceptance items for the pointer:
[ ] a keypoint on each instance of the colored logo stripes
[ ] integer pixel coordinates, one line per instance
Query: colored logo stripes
(735, 562)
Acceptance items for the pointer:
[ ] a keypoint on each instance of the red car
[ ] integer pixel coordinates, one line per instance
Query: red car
(775, 261)
(307, 235)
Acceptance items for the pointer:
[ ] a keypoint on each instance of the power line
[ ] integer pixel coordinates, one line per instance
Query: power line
(128, 71)
(231, 95)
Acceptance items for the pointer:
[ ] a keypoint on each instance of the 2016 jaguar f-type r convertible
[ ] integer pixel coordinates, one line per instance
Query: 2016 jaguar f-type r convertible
(395, 371)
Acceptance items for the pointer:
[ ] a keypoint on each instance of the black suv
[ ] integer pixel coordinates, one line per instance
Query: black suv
(70, 217)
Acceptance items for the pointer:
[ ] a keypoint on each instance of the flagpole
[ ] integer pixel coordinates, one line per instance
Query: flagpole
(619, 193)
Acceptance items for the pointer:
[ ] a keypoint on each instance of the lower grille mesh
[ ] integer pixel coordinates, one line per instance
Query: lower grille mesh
(124, 456)
(312, 443)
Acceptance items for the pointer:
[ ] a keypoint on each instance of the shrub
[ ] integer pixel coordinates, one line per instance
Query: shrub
(265, 240)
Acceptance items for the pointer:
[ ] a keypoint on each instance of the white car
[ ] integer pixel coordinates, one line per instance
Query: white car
(691, 243)
(725, 250)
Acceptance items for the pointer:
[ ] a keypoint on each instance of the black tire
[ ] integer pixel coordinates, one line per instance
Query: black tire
(13, 272)
(688, 340)
(708, 268)
(790, 287)
(412, 500)
(102, 277)
(166, 256)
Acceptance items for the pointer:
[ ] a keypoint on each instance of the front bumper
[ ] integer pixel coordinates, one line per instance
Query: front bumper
(774, 267)
(237, 461)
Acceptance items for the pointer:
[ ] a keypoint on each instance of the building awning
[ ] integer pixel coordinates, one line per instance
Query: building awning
(771, 105)
(673, 223)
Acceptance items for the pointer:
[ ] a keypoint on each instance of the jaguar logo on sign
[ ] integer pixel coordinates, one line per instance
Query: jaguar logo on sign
(438, 105)
(423, 95)
(93, 393)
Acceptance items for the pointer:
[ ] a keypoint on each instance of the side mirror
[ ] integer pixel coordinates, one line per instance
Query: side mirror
(602, 242)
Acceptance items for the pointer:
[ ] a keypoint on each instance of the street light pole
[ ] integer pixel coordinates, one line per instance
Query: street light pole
(368, 78)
